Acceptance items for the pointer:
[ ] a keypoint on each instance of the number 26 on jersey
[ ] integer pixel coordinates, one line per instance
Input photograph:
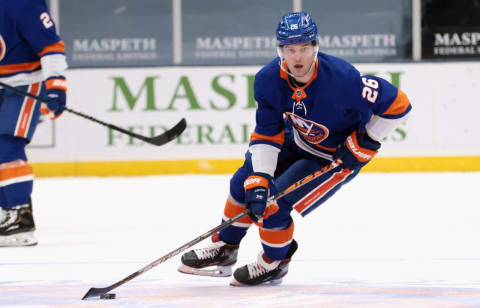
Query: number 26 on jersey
(370, 90)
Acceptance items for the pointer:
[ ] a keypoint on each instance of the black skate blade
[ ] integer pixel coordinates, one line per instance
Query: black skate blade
(93, 292)
(236, 283)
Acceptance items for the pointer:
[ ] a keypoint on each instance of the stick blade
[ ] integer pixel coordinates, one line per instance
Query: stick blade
(93, 292)
(170, 134)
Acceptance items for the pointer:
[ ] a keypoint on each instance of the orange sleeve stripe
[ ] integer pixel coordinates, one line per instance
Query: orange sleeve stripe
(14, 68)
(232, 209)
(277, 237)
(399, 105)
(56, 47)
(279, 138)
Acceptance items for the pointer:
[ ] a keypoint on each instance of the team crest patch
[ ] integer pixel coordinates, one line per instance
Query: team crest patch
(3, 48)
(310, 131)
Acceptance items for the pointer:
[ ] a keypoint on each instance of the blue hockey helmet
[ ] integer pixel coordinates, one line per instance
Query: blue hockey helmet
(296, 28)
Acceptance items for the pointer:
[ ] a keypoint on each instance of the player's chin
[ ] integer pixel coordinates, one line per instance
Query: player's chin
(301, 73)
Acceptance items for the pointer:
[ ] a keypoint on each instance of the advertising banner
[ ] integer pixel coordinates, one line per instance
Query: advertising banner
(451, 42)
(219, 107)
(230, 32)
(368, 31)
(212, 32)
(111, 33)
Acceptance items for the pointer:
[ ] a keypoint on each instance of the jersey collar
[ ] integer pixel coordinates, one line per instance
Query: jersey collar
(298, 92)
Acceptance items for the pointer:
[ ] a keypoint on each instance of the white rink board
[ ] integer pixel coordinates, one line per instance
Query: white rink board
(214, 101)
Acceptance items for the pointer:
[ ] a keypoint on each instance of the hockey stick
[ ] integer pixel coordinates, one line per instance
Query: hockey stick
(93, 292)
(161, 139)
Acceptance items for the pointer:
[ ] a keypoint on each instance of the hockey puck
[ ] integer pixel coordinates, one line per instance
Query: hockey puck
(108, 296)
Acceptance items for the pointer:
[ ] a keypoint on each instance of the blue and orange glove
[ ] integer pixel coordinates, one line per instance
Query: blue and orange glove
(256, 197)
(357, 150)
(56, 97)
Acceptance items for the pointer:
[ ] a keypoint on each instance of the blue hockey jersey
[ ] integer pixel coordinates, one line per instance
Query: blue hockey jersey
(27, 33)
(323, 112)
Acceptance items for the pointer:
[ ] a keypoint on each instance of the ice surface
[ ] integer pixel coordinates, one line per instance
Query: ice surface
(385, 240)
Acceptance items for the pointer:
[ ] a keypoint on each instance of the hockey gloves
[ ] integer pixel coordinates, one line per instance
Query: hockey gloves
(357, 150)
(56, 97)
(256, 196)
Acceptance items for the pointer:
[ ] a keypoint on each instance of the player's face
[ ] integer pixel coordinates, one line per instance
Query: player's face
(299, 59)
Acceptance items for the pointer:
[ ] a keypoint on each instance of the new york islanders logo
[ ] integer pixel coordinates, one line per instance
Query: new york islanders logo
(3, 48)
(310, 131)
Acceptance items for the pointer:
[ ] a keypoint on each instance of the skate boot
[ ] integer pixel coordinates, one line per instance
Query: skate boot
(17, 226)
(264, 271)
(219, 255)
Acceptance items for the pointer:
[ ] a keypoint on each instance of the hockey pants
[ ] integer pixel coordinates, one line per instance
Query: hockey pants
(276, 234)
(19, 117)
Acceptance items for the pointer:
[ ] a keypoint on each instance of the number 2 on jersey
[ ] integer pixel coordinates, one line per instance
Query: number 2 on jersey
(45, 18)
(369, 90)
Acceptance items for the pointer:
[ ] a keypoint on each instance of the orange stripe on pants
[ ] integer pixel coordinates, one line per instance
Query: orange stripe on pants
(15, 172)
(321, 190)
(232, 209)
(277, 238)
(27, 112)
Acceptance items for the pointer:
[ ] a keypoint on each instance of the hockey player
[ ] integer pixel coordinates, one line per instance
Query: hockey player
(32, 58)
(313, 109)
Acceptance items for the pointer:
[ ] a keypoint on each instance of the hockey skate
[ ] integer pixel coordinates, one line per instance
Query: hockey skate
(264, 271)
(215, 260)
(17, 226)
